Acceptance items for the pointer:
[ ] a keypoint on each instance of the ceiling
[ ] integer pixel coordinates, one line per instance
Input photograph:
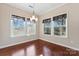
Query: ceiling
(39, 8)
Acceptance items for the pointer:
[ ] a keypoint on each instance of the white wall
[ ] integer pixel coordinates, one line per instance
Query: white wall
(73, 26)
(5, 14)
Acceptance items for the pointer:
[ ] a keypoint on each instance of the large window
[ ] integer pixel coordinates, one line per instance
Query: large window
(60, 25)
(22, 27)
(57, 27)
(17, 26)
(47, 26)
(31, 27)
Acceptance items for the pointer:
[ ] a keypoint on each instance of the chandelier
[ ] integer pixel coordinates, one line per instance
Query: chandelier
(33, 17)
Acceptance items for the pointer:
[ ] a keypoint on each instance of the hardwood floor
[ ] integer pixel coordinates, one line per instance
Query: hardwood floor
(38, 48)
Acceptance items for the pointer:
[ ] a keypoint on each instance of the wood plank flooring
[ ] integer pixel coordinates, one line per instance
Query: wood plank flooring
(38, 48)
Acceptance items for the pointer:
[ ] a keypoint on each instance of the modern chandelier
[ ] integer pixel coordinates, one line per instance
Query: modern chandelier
(33, 18)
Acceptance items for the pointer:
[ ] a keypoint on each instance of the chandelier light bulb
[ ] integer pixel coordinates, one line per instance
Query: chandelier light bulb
(33, 17)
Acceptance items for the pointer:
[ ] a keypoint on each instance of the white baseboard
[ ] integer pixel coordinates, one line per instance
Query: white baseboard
(1, 47)
(36, 39)
(60, 44)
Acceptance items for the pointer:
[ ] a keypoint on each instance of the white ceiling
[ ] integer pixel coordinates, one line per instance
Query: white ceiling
(39, 8)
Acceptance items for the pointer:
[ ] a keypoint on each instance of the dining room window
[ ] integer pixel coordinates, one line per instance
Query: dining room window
(22, 27)
(17, 26)
(47, 26)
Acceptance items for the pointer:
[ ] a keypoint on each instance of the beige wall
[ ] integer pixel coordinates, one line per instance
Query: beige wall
(5, 14)
(73, 26)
